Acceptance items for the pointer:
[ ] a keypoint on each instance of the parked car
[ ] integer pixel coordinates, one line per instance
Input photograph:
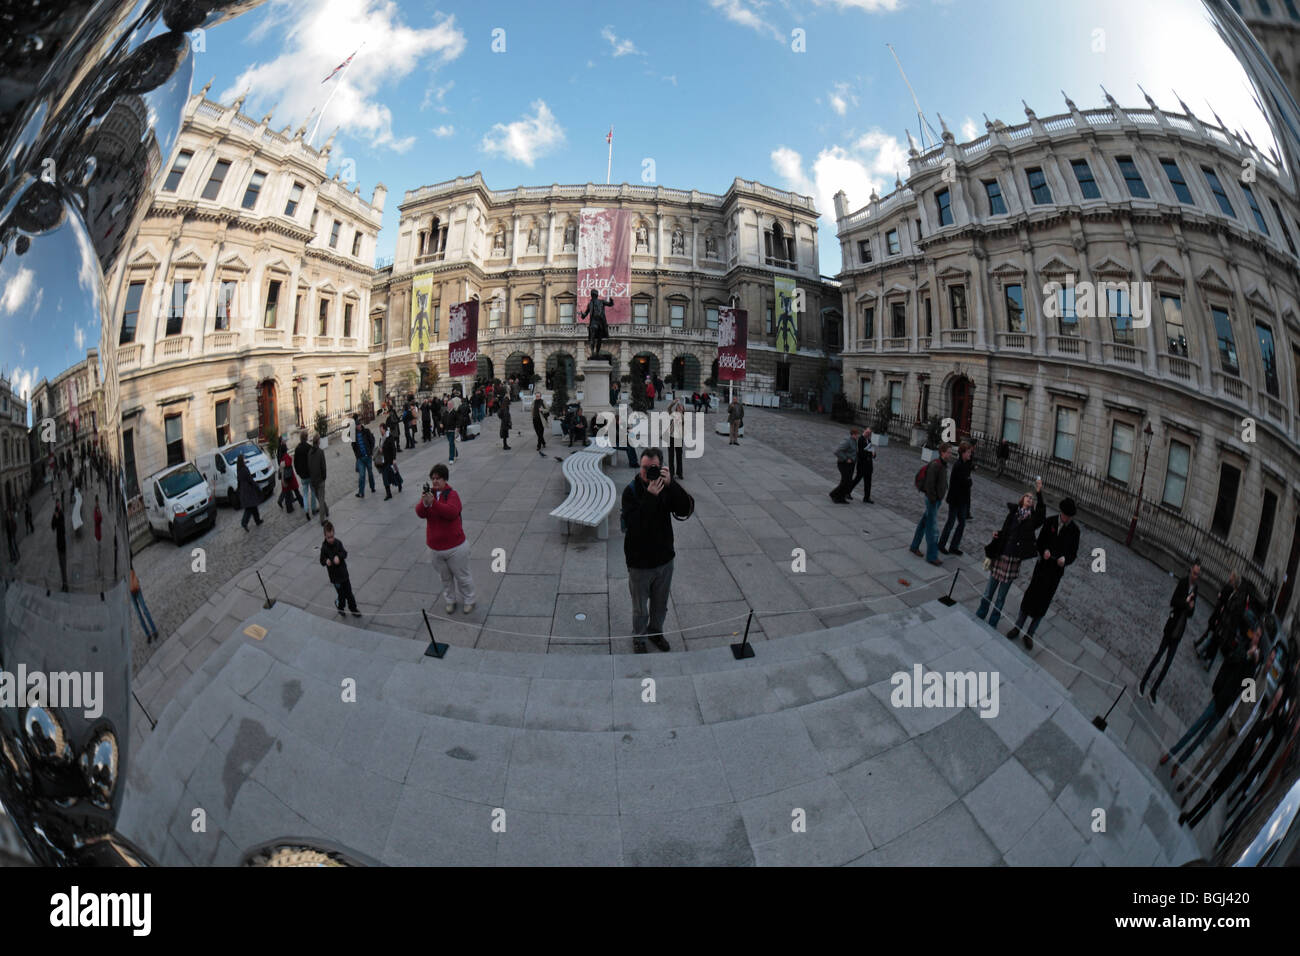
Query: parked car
(178, 502)
(218, 467)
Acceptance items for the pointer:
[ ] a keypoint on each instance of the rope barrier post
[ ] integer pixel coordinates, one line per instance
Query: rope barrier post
(269, 603)
(434, 649)
(948, 600)
(1100, 722)
(743, 650)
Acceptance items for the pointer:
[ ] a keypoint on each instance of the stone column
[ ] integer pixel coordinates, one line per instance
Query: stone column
(514, 240)
(550, 237)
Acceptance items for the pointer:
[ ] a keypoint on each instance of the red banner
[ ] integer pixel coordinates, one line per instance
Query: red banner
(733, 342)
(462, 338)
(605, 261)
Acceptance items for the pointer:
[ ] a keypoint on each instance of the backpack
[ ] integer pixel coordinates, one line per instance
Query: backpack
(286, 472)
(920, 477)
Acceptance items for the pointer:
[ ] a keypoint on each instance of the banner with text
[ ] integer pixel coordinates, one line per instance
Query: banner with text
(787, 319)
(421, 291)
(605, 261)
(733, 341)
(462, 338)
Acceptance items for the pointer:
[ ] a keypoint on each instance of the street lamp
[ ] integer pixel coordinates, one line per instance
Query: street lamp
(1146, 456)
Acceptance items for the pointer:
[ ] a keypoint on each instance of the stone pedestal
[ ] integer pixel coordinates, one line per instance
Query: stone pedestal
(595, 390)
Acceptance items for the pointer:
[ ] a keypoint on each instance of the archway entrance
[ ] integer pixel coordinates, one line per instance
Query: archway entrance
(686, 374)
(515, 364)
(963, 400)
(643, 364)
(559, 368)
(268, 419)
(526, 371)
(484, 371)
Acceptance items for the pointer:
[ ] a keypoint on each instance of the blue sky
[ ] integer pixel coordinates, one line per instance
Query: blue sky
(707, 89)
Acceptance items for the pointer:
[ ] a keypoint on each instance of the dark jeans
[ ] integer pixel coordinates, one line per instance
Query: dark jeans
(363, 469)
(1199, 730)
(677, 460)
(1169, 646)
(344, 590)
(288, 496)
(649, 588)
(1033, 623)
(541, 438)
(846, 479)
(863, 475)
(1001, 588)
(928, 527)
(63, 567)
(250, 513)
(410, 435)
(451, 444)
(146, 619)
(957, 514)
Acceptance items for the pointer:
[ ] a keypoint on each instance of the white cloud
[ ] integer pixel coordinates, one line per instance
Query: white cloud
(435, 95)
(318, 35)
(969, 130)
(526, 139)
(871, 162)
(23, 379)
(79, 336)
(672, 78)
(842, 97)
(621, 47)
(870, 6)
(745, 12)
(16, 290)
(442, 132)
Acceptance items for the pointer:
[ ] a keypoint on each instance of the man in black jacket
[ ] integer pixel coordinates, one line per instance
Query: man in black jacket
(1207, 645)
(301, 467)
(1237, 668)
(335, 559)
(389, 470)
(426, 420)
(649, 502)
(59, 528)
(866, 464)
(503, 413)
(958, 498)
(363, 448)
(1058, 546)
(1181, 608)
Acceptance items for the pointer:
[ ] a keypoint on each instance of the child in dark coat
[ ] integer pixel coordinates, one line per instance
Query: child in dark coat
(334, 557)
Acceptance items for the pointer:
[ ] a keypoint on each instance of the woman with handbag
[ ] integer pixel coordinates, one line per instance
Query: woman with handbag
(1009, 547)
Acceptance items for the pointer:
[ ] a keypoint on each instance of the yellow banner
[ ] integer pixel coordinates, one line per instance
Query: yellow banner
(786, 320)
(421, 310)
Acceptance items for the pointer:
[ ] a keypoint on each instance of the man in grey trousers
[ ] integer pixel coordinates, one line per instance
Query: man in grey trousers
(649, 502)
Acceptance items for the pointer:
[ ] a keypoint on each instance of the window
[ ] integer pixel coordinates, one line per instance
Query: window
(1227, 344)
(1226, 502)
(495, 315)
(377, 332)
(957, 303)
(1291, 9)
(347, 395)
(356, 243)
(1254, 207)
(1121, 316)
(919, 237)
(1121, 452)
(225, 306)
(297, 312)
(176, 314)
(711, 318)
(254, 188)
(314, 214)
(347, 320)
(641, 312)
(174, 438)
(1013, 410)
(898, 320)
(223, 422)
(924, 414)
(864, 400)
(323, 403)
(891, 242)
(177, 171)
(295, 197)
(213, 186)
(1176, 180)
(677, 315)
(896, 397)
(943, 200)
(323, 318)
(1267, 514)
(770, 327)
(1132, 178)
(868, 322)
(131, 315)
(334, 234)
(1082, 173)
(566, 313)
(1067, 433)
(1016, 309)
(1038, 188)
(993, 189)
(1175, 333)
(1069, 318)
(1216, 187)
(929, 318)
(435, 320)
(272, 301)
(1180, 457)
(530, 313)
(128, 463)
(1281, 221)
(1269, 355)
(864, 250)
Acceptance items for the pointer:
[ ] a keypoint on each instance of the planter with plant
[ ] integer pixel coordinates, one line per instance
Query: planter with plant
(322, 424)
(884, 417)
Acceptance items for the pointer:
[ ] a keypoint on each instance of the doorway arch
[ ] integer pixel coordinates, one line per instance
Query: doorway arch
(268, 414)
(686, 373)
(962, 401)
(484, 369)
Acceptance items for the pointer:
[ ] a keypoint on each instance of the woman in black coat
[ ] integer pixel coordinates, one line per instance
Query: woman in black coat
(539, 423)
(959, 485)
(503, 413)
(1057, 547)
(250, 496)
(1009, 547)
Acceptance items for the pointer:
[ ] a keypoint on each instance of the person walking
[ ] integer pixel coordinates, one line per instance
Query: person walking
(27, 516)
(1009, 547)
(1238, 668)
(388, 466)
(866, 465)
(1207, 645)
(540, 419)
(959, 488)
(933, 484)
(449, 429)
(363, 447)
(316, 472)
(650, 502)
(1003, 453)
(426, 420)
(650, 393)
(142, 609)
(11, 534)
(503, 413)
(846, 456)
(334, 558)
(408, 420)
(250, 496)
(1057, 547)
(288, 481)
(301, 463)
(59, 526)
(99, 522)
(440, 507)
(676, 433)
(735, 418)
(1182, 605)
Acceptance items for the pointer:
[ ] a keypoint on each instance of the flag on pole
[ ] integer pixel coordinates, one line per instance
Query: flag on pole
(341, 66)
(609, 137)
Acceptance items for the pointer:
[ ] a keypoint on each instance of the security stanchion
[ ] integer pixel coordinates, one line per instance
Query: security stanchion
(743, 649)
(1100, 722)
(948, 600)
(434, 649)
(269, 603)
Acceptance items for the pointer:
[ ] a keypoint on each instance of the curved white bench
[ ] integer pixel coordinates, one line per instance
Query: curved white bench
(592, 494)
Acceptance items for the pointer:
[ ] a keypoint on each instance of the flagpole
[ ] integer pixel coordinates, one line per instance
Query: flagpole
(609, 162)
(331, 96)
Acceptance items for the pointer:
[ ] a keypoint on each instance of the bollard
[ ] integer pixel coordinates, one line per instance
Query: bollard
(743, 650)
(947, 600)
(269, 603)
(434, 649)
(1100, 722)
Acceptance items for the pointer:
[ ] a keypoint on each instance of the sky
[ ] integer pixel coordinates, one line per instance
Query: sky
(798, 94)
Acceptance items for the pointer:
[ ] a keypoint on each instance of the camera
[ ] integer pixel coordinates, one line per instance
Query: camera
(653, 472)
(427, 489)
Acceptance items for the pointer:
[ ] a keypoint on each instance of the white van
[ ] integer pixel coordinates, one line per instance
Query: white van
(177, 501)
(218, 467)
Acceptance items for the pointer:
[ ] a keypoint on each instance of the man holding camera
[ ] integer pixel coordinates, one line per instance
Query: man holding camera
(440, 508)
(650, 501)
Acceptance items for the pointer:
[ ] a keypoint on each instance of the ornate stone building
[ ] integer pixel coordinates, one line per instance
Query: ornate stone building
(516, 251)
(241, 303)
(75, 400)
(1070, 281)
(15, 454)
(1276, 25)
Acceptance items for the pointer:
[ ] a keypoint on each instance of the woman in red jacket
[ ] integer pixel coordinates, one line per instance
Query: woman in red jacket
(439, 506)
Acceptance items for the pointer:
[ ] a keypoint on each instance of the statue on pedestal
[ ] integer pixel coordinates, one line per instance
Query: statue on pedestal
(598, 329)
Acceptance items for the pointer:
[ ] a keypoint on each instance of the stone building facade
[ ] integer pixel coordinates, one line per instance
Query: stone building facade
(74, 399)
(15, 453)
(1276, 25)
(241, 303)
(971, 296)
(692, 252)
